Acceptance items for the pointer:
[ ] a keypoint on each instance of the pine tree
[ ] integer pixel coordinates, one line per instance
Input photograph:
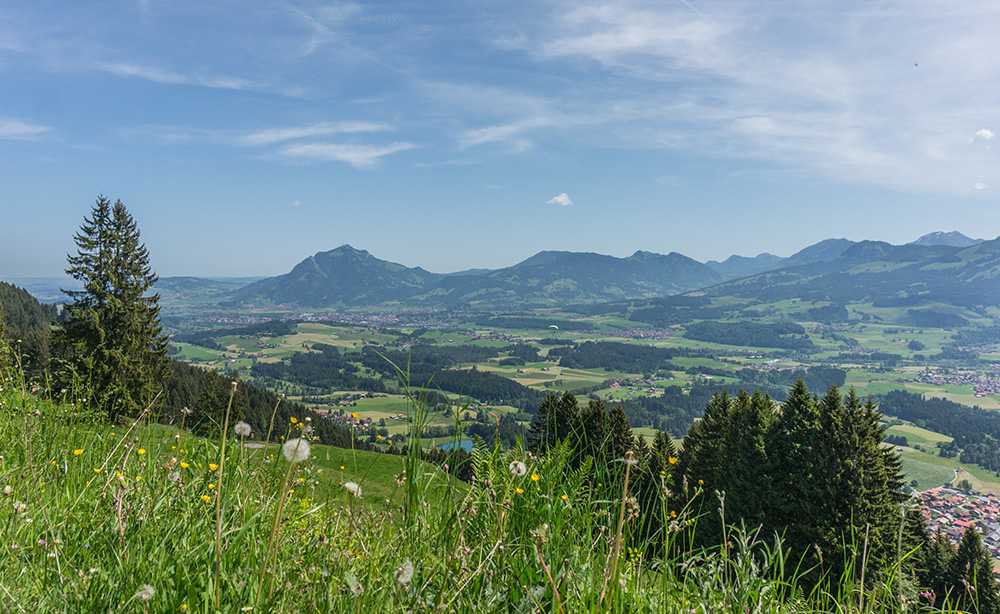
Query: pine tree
(557, 419)
(970, 573)
(794, 450)
(619, 437)
(745, 480)
(112, 339)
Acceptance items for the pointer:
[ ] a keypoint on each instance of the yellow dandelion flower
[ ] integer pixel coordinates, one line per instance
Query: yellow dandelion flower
(341, 467)
(211, 486)
(293, 420)
(184, 465)
(520, 491)
(291, 491)
(701, 482)
(52, 462)
(212, 466)
(97, 470)
(112, 434)
(184, 607)
(356, 416)
(173, 447)
(378, 438)
(535, 477)
(77, 452)
(673, 514)
(138, 478)
(118, 474)
(206, 498)
(301, 480)
(140, 451)
(672, 460)
(564, 497)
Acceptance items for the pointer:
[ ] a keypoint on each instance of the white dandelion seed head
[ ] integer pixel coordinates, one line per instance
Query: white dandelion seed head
(517, 468)
(145, 592)
(630, 458)
(174, 476)
(353, 488)
(405, 572)
(242, 429)
(295, 450)
(7, 490)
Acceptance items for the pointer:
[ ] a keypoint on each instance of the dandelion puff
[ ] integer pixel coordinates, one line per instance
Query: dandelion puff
(242, 429)
(174, 476)
(517, 468)
(295, 450)
(7, 490)
(405, 572)
(145, 593)
(353, 488)
(630, 458)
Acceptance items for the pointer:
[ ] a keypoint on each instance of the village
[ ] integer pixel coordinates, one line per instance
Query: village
(953, 511)
(982, 385)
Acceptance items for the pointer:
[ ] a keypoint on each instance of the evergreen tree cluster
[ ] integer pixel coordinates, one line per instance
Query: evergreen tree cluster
(812, 470)
(24, 325)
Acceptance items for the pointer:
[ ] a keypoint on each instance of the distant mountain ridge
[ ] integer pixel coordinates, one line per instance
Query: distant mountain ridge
(834, 269)
(837, 270)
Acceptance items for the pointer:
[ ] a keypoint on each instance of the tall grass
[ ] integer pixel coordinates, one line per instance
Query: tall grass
(142, 517)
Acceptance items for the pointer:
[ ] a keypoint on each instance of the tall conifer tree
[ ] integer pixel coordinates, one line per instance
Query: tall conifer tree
(112, 339)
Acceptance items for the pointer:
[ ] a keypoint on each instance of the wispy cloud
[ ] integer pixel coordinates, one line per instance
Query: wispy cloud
(359, 156)
(15, 129)
(863, 96)
(563, 200)
(156, 75)
(276, 135)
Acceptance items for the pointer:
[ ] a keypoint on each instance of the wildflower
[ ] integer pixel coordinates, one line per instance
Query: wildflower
(520, 491)
(145, 593)
(630, 458)
(672, 460)
(184, 607)
(353, 488)
(378, 438)
(517, 468)
(564, 497)
(701, 482)
(295, 450)
(242, 429)
(341, 467)
(7, 490)
(174, 476)
(535, 477)
(140, 451)
(77, 452)
(206, 498)
(405, 572)
(355, 415)
(211, 486)
(184, 465)
(293, 420)
(97, 470)
(138, 478)
(212, 466)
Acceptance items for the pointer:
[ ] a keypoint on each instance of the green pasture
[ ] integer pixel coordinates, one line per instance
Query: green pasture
(915, 434)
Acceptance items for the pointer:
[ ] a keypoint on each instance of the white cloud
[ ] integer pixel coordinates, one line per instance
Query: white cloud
(984, 134)
(276, 135)
(296, 203)
(563, 200)
(359, 156)
(156, 75)
(979, 186)
(18, 130)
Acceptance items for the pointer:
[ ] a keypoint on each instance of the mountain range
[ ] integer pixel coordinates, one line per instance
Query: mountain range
(938, 266)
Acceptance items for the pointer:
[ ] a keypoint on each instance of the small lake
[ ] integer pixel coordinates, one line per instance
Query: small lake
(465, 444)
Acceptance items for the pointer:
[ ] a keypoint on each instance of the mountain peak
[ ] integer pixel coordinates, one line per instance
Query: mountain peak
(948, 239)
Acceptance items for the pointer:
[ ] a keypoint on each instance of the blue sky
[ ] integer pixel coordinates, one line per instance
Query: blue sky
(246, 136)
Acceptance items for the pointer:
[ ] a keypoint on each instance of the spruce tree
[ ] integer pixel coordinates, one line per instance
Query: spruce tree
(112, 340)
(970, 573)
(557, 419)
